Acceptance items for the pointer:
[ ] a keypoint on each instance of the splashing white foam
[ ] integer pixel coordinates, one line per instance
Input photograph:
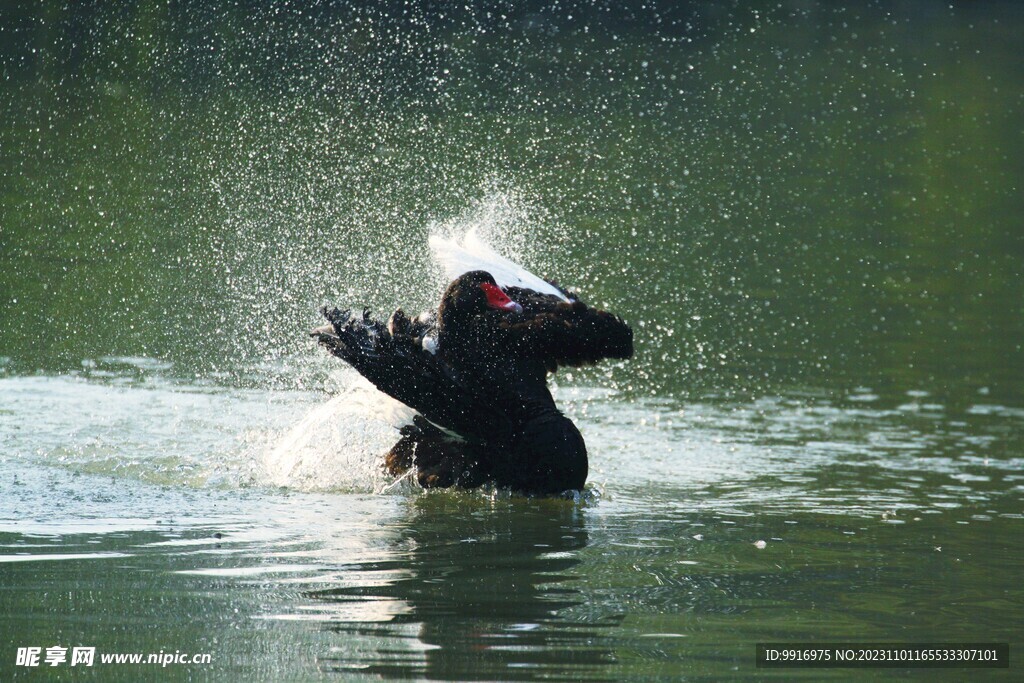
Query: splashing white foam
(338, 445)
(458, 256)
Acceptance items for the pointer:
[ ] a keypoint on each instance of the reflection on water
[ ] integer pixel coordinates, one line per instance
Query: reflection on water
(482, 598)
(711, 525)
(666, 582)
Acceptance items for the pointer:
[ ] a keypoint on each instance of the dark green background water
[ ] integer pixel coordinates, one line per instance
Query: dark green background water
(810, 213)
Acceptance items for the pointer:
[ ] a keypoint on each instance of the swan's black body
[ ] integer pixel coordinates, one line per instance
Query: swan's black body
(487, 382)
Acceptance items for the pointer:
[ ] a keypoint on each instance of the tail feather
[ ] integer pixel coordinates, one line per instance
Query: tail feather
(440, 460)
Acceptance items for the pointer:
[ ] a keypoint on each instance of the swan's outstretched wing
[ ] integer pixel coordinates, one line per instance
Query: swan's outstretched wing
(561, 333)
(411, 375)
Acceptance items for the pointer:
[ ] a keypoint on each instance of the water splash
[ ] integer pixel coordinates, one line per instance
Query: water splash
(279, 268)
(504, 221)
(337, 445)
(472, 253)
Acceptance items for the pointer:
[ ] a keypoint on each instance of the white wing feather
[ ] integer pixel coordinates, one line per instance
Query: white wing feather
(472, 253)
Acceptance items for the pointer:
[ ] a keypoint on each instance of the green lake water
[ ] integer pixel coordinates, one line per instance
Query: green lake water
(809, 213)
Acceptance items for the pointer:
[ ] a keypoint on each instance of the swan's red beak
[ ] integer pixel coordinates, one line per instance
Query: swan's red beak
(499, 299)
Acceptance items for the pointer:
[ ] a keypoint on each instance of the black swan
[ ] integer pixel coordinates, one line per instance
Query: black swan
(476, 372)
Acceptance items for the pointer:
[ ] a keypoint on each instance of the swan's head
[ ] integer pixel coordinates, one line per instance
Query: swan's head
(473, 293)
